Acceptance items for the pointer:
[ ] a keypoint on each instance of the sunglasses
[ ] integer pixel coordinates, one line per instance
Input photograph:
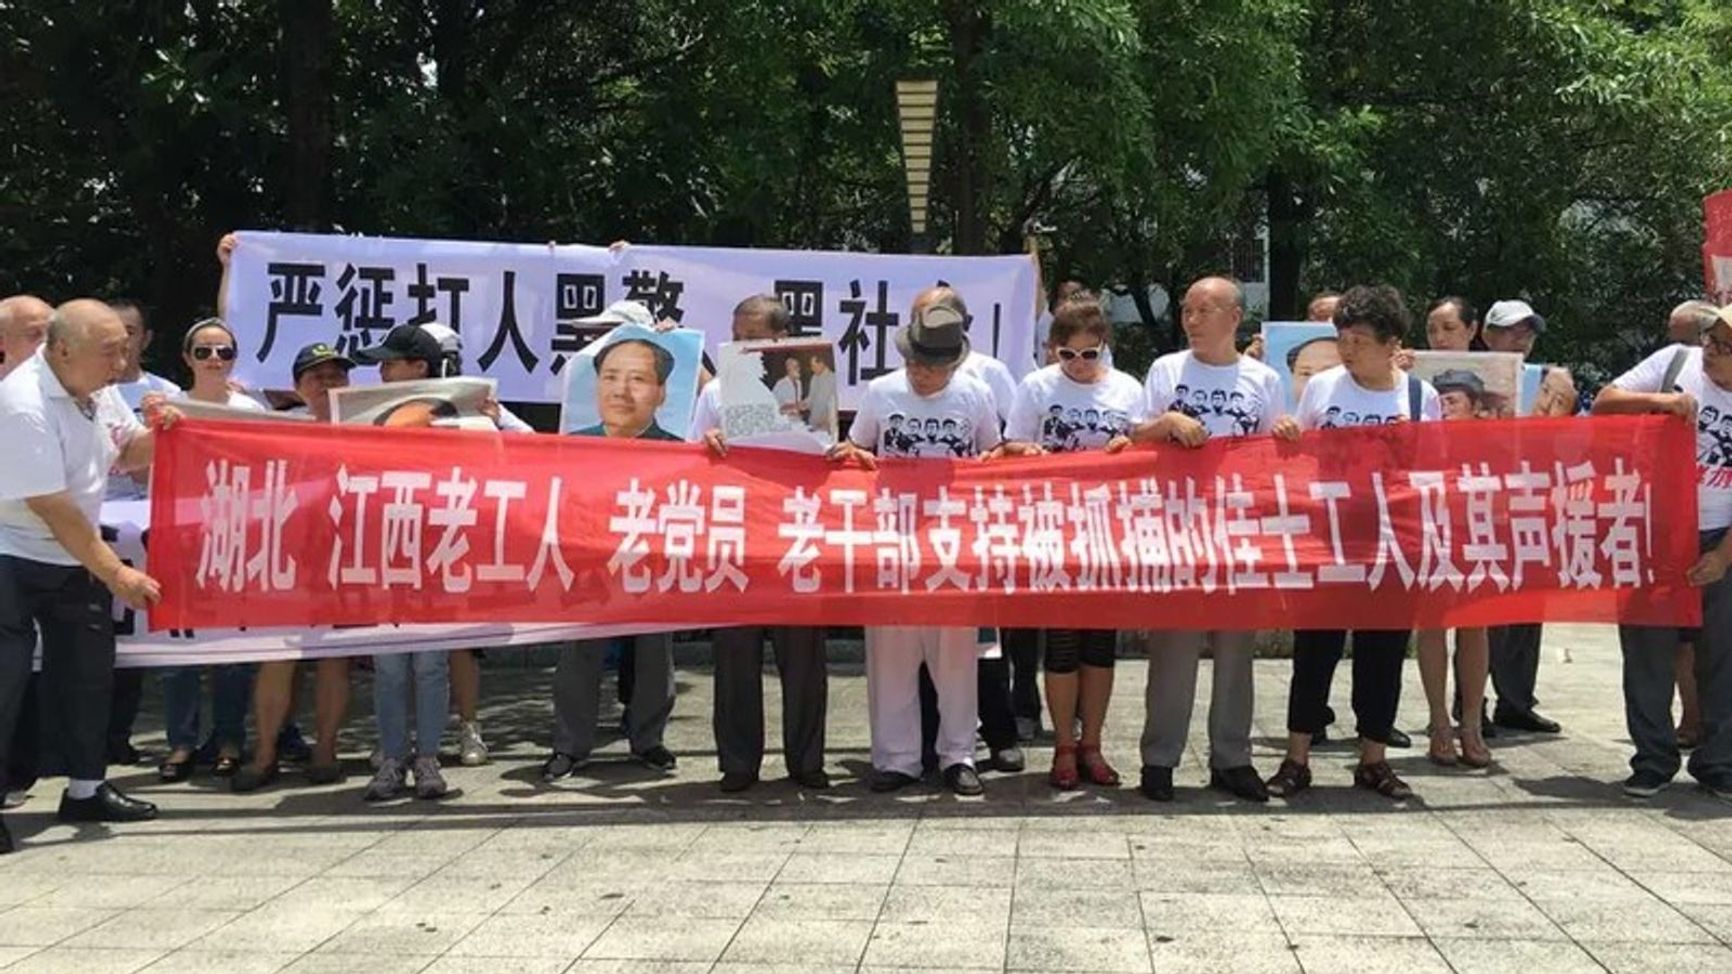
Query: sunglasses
(204, 352)
(1087, 355)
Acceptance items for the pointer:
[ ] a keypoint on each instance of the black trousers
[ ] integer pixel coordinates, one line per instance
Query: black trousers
(1378, 655)
(74, 613)
(123, 707)
(739, 703)
(1023, 648)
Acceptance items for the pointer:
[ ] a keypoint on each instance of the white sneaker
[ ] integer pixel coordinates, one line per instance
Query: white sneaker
(471, 749)
(13, 799)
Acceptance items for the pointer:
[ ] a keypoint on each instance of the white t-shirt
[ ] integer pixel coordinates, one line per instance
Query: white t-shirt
(995, 375)
(237, 400)
(1713, 427)
(1332, 400)
(1063, 415)
(1229, 400)
(955, 422)
(52, 447)
(122, 486)
(510, 422)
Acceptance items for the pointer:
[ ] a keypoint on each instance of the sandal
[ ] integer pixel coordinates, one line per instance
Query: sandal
(1063, 775)
(1381, 778)
(1290, 779)
(1474, 754)
(1099, 771)
(172, 771)
(1444, 756)
(226, 765)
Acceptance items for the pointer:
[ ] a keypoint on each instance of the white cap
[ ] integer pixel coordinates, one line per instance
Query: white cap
(622, 313)
(450, 342)
(1508, 314)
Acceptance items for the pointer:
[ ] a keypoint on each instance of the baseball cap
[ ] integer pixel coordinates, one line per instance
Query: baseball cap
(1508, 314)
(315, 355)
(622, 313)
(1459, 379)
(449, 341)
(1721, 317)
(404, 343)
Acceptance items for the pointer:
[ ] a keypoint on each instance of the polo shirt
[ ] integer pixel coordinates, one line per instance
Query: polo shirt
(54, 448)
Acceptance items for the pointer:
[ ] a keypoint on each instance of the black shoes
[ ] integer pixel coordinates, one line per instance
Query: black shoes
(1645, 784)
(560, 765)
(107, 805)
(250, 778)
(963, 780)
(6, 843)
(1528, 721)
(659, 758)
(888, 781)
(817, 779)
(737, 781)
(1242, 782)
(1006, 760)
(1398, 738)
(1157, 783)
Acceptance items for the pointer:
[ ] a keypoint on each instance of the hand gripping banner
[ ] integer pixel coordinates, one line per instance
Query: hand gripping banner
(1418, 524)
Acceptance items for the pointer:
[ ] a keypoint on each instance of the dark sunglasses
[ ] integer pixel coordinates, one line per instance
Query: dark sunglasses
(1087, 354)
(204, 352)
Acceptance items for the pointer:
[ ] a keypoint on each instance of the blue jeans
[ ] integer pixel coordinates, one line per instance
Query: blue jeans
(391, 701)
(231, 689)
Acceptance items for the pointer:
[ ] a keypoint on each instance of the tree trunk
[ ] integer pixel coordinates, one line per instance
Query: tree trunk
(306, 97)
(1287, 247)
(970, 26)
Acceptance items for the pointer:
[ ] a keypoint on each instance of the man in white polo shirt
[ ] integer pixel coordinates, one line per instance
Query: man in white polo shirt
(67, 428)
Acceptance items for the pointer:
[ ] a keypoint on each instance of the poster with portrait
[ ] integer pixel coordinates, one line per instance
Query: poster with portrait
(1298, 350)
(782, 391)
(1486, 385)
(633, 382)
(447, 403)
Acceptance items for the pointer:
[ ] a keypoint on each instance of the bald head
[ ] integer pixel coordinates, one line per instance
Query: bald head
(1689, 320)
(86, 345)
(941, 295)
(1210, 313)
(23, 328)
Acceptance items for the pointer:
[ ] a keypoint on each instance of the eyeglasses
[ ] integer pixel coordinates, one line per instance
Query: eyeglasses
(204, 352)
(1087, 355)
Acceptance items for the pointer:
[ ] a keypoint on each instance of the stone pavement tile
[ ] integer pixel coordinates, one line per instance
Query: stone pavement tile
(1177, 913)
(1429, 882)
(1077, 949)
(403, 933)
(232, 892)
(732, 837)
(592, 865)
(584, 966)
(821, 901)
(1296, 877)
(1698, 888)
(887, 839)
(483, 865)
(113, 892)
(730, 967)
(11, 954)
(839, 868)
(954, 906)
(23, 887)
(1381, 916)
(665, 838)
(935, 945)
(1603, 885)
(1222, 952)
(1716, 918)
(351, 894)
(1072, 845)
(764, 940)
(727, 866)
(946, 841)
(654, 938)
(357, 964)
(1320, 954)
(1043, 906)
(717, 901)
(1658, 958)
(1516, 956)
(392, 865)
(1086, 874)
(84, 960)
(275, 929)
(164, 929)
(1514, 854)
(1335, 850)
(444, 893)
(1177, 877)
(30, 926)
(1187, 851)
(588, 899)
(536, 935)
(236, 960)
(956, 871)
(1485, 919)
(1650, 922)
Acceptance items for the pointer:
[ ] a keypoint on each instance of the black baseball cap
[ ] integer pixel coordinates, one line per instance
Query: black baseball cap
(317, 354)
(404, 343)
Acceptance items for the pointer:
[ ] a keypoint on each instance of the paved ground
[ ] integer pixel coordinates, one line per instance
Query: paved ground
(1537, 866)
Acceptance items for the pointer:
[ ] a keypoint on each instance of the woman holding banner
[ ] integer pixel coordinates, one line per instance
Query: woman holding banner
(209, 351)
(1370, 323)
(1079, 662)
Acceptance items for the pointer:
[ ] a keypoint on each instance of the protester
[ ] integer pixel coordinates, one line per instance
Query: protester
(1370, 323)
(929, 388)
(133, 387)
(1323, 306)
(993, 696)
(1513, 326)
(1079, 662)
(317, 369)
(627, 392)
(739, 651)
(1450, 324)
(1686, 325)
(1211, 313)
(1685, 381)
(209, 350)
(66, 428)
(23, 329)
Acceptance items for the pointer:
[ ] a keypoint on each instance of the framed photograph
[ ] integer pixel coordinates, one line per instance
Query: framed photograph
(1298, 350)
(634, 383)
(448, 403)
(1484, 385)
(778, 387)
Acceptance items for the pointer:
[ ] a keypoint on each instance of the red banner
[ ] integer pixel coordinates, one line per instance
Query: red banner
(1717, 246)
(1471, 523)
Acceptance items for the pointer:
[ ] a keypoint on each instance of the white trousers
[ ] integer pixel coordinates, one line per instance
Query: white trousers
(893, 658)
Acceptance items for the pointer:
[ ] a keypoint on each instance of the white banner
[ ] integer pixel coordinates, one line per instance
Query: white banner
(125, 524)
(516, 304)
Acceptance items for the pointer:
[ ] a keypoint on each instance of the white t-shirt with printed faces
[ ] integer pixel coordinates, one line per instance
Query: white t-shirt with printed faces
(1713, 427)
(956, 422)
(1333, 400)
(1063, 415)
(1229, 400)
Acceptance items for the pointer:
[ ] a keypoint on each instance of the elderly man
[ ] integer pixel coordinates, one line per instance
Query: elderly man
(23, 328)
(66, 429)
